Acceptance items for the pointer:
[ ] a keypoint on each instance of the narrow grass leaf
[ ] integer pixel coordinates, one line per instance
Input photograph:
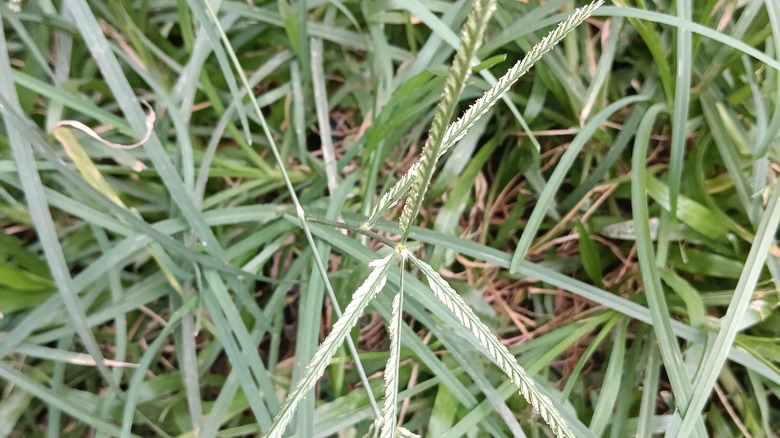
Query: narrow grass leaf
(237, 359)
(564, 165)
(711, 366)
(659, 311)
(328, 32)
(610, 387)
(690, 296)
(593, 345)
(682, 97)
(625, 406)
(323, 111)
(209, 23)
(490, 62)
(26, 383)
(604, 68)
(713, 34)
(41, 63)
(41, 216)
(65, 356)
(688, 211)
(134, 387)
(615, 152)
(729, 153)
(216, 287)
(15, 403)
(443, 412)
(589, 255)
(769, 138)
(76, 102)
(649, 401)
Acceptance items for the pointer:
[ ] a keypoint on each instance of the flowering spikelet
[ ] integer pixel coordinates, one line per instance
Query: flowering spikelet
(470, 40)
(360, 300)
(437, 145)
(460, 127)
(494, 349)
(391, 370)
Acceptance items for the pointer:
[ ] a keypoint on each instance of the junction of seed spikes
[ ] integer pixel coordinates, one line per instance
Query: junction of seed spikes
(402, 251)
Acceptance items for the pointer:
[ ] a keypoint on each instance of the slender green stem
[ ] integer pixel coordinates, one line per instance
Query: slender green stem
(350, 227)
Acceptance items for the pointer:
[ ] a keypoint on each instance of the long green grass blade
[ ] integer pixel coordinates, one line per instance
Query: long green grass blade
(567, 161)
(41, 217)
(682, 93)
(659, 311)
(730, 325)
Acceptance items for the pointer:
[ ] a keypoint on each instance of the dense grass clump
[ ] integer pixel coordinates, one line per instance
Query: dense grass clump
(369, 218)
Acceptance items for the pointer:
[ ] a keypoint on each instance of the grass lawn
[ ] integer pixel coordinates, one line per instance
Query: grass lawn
(351, 218)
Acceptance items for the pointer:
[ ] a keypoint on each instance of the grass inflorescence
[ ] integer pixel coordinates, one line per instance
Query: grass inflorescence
(387, 219)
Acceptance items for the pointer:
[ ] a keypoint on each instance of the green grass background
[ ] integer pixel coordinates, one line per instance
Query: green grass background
(614, 219)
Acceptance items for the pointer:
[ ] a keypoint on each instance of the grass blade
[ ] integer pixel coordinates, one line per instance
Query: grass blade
(44, 224)
(567, 161)
(612, 383)
(27, 384)
(657, 17)
(711, 366)
(659, 311)
(134, 387)
(323, 111)
(682, 97)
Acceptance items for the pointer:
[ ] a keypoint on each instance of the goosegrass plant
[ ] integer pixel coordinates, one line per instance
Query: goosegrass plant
(440, 138)
(625, 191)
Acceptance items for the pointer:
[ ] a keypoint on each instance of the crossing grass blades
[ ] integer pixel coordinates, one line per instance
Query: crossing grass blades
(412, 188)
